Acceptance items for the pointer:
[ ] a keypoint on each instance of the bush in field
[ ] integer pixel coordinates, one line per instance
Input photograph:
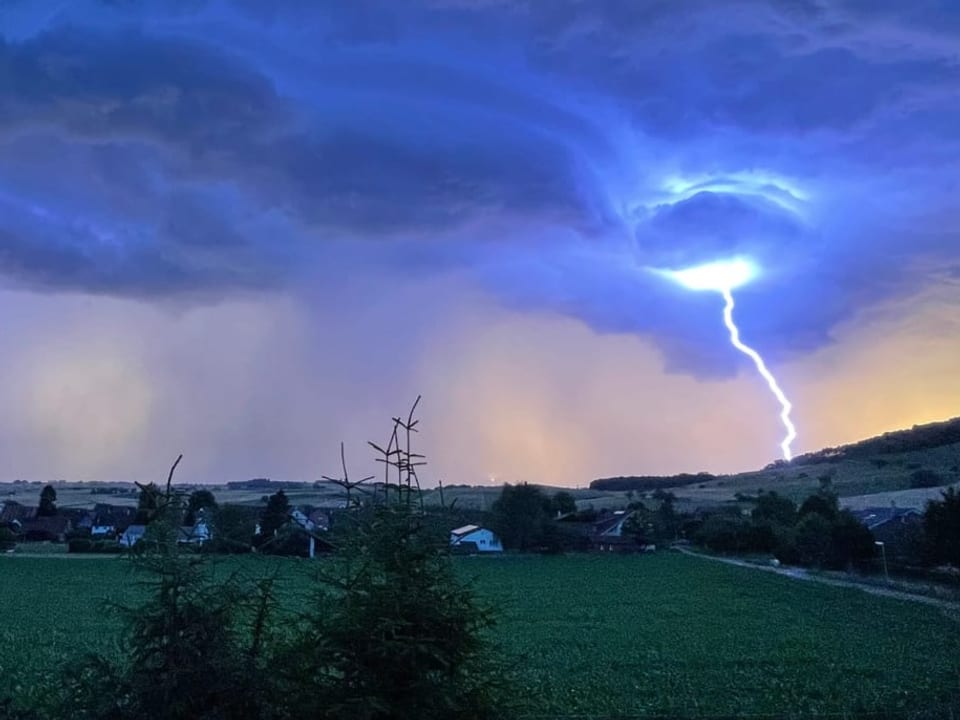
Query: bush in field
(79, 545)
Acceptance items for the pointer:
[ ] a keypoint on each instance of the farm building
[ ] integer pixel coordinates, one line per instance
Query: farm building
(473, 538)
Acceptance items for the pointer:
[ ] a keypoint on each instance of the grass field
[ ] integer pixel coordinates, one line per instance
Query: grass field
(587, 635)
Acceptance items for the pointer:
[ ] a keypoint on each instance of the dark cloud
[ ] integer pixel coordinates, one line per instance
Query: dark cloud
(557, 151)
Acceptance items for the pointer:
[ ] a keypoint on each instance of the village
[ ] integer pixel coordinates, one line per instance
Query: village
(278, 526)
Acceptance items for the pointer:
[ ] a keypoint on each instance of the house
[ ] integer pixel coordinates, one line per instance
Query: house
(81, 519)
(474, 539)
(196, 534)
(302, 519)
(132, 535)
(111, 520)
(877, 518)
(608, 533)
(891, 525)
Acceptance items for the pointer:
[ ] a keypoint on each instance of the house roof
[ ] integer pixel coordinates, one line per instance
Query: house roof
(875, 517)
(465, 530)
(54, 525)
(105, 514)
(15, 512)
(606, 525)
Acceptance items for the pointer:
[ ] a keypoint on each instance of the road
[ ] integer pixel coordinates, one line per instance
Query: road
(801, 574)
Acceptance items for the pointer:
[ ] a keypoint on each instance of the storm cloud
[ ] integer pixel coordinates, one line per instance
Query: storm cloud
(552, 151)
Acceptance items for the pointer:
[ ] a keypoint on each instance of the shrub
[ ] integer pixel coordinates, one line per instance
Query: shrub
(775, 509)
(851, 542)
(79, 545)
(813, 539)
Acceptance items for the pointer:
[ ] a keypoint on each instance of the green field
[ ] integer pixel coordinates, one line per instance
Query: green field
(588, 635)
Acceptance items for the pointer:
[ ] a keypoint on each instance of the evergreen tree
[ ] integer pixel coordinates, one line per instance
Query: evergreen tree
(48, 502)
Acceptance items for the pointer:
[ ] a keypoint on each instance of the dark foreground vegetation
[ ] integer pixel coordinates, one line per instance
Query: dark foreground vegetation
(385, 630)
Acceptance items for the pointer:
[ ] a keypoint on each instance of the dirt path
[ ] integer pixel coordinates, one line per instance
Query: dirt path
(801, 574)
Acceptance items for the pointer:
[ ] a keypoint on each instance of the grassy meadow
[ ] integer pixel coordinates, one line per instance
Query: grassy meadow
(585, 635)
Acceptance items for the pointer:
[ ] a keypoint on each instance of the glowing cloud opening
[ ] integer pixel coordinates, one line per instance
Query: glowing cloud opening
(724, 277)
(721, 276)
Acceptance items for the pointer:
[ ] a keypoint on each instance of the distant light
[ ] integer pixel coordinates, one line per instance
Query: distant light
(721, 276)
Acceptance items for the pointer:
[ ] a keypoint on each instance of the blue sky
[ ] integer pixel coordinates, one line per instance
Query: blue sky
(470, 165)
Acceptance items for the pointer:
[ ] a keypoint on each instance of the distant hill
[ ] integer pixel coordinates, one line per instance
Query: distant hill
(919, 437)
(921, 457)
(646, 483)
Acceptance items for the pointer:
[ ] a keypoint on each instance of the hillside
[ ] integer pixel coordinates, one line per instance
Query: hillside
(923, 456)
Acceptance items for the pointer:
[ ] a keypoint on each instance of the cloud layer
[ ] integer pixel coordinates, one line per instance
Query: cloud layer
(199, 153)
(207, 147)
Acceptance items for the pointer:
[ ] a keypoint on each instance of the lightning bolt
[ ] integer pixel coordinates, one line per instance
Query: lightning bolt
(785, 405)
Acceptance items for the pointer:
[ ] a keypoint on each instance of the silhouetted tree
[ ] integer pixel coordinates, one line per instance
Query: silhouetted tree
(775, 509)
(564, 503)
(198, 500)
(233, 528)
(520, 515)
(193, 647)
(824, 502)
(813, 539)
(48, 502)
(666, 522)
(148, 502)
(941, 525)
(851, 541)
(275, 515)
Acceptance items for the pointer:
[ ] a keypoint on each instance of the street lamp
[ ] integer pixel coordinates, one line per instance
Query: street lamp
(883, 552)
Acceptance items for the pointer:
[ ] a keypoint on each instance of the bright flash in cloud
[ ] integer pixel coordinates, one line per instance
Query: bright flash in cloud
(724, 277)
(719, 276)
